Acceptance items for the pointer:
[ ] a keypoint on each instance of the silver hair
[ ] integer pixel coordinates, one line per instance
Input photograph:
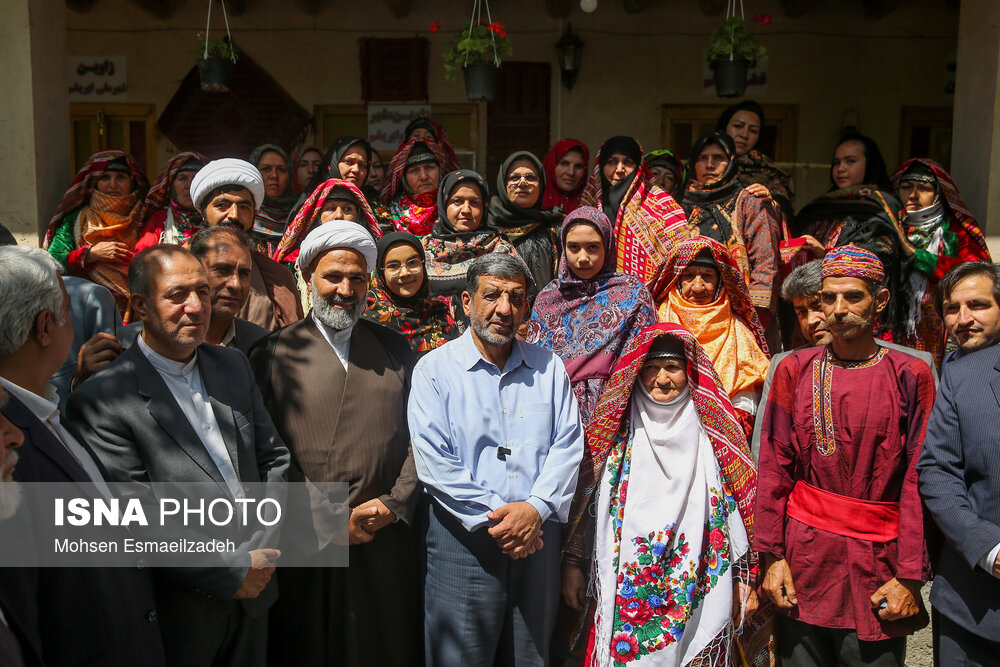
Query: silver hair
(805, 280)
(29, 284)
(496, 264)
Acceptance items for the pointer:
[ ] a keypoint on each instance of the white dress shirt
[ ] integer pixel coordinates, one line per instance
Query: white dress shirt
(185, 384)
(340, 341)
(46, 409)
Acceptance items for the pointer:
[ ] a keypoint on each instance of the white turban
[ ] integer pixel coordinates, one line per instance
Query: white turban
(337, 234)
(227, 171)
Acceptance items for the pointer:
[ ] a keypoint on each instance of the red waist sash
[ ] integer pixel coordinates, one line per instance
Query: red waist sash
(867, 520)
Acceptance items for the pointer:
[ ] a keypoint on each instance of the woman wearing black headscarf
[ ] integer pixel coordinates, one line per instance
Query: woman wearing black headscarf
(718, 205)
(272, 217)
(459, 236)
(516, 212)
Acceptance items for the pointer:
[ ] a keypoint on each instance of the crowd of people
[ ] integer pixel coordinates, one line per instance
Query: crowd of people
(646, 412)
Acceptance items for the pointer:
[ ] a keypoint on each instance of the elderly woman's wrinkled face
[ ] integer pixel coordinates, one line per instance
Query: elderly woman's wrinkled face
(618, 167)
(663, 378)
(465, 208)
(523, 184)
(584, 251)
(403, 270)
(114, 183)
(664, 177)
(699, 284)
(182, 188)
(423, 177)
(338, 209)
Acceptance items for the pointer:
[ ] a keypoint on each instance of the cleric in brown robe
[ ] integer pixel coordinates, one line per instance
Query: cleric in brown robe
(337, 387)
(229, 192)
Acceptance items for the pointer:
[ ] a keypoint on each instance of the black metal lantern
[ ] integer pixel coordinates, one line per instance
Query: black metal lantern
(570, 50)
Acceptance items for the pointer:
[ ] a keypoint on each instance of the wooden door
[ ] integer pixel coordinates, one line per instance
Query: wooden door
(518, 118)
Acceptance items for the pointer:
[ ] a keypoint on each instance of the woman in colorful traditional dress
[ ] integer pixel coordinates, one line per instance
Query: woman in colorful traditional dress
(399, 295)
(943, 234)
(460, 235)
(411, 186)
(719, 207)
(744, 122)
(702, 289)
(565, 175)
(674, 572)
(169, 213)
(647, 222)
(271, 219)
(95, 227)
(516, 212)
(428, 129)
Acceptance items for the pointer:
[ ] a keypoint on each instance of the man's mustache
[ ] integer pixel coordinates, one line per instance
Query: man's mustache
(850, 319)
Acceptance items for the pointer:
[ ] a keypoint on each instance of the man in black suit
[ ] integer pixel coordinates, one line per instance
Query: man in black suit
(104, 616)
(224, 252)
(171, 409)
(959, 470)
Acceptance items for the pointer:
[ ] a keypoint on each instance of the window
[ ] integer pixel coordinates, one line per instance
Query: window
(95, 127)
(926, 132)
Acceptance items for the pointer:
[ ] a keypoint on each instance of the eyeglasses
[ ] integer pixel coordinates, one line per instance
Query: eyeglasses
(514, 179)
(411, 266)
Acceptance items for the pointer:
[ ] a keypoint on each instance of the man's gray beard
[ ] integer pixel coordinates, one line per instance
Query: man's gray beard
(337, 319)
(482, 330)
(10, 497)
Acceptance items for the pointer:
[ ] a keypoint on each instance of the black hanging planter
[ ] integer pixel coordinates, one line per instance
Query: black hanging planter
(480, 81)
(730, 77)
(216, 74)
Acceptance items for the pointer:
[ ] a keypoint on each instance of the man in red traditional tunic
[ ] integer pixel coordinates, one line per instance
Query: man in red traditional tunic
(838, 516)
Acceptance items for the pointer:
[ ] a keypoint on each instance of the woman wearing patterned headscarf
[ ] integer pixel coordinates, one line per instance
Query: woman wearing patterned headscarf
(94, 229)
(169, 213)
(702, 289)
(399, 296)
(646, 220)
(516, 212)
(428, 129)
(673, 567)
(412, 184)
(719, 207)
(272, 217)
(460, 235)
(943, 234)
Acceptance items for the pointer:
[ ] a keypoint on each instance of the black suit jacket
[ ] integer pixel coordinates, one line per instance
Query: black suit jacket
(100, 616)
(127, 414)
(959, 471)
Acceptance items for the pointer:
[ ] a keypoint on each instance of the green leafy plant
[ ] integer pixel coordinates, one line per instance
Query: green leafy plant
(217, 48)
(479, 45)
(733, 39)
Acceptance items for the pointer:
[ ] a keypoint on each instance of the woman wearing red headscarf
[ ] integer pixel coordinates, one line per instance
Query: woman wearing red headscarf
(565, 175)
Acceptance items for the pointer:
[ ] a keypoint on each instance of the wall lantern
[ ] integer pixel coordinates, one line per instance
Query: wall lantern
(570, 51)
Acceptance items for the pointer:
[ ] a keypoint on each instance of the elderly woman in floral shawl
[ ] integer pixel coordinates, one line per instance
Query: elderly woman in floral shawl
(646, 220)
(411, 186)
(943, 234)
(703, 290)
(94, 229)
(674, 573)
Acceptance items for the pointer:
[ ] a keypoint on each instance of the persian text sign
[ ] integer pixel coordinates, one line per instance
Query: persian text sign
(386, 123)
(98, 78)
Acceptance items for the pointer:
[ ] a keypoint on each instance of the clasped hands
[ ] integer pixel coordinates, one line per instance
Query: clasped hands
(518, 531)
(367, 519)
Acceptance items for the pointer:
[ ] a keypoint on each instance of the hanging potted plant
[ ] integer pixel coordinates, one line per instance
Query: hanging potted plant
(476, 51)
(732, 52)
(215, 66)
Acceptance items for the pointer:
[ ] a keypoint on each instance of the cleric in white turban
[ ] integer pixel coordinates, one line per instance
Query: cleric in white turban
(226, 172)
(337, 234)
(335, 385)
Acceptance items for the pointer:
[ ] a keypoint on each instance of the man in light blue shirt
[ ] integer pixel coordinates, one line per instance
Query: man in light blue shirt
(497, 441)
